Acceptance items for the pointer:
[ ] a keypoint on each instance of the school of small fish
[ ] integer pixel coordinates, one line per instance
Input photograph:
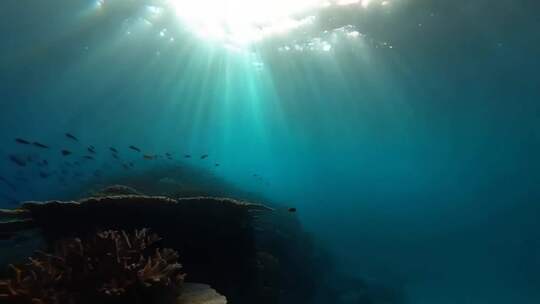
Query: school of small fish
(72, 168)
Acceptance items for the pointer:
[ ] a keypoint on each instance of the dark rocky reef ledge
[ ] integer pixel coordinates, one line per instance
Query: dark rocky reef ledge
(214, 236)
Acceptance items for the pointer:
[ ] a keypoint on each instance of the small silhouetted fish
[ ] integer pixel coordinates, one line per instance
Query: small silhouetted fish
(168, 154)
(113, 150)
(187, 156)
(70, 136)
(40, 145)
(148, 156)
(217, 165)
(115, 156)
(8, 183)
(135, 148)
(125, 166)
(66, 152)
(91, 149)
(292, 210)
(89, 157)
(17, 160)
(22, 141)
(131, 164)
(204, 156)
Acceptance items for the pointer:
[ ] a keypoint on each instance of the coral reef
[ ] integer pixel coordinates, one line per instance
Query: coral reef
(115, 190)
(109, 267)
(214, 235)
(246, 253)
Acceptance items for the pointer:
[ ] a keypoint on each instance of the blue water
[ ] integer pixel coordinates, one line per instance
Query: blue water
(412, 155)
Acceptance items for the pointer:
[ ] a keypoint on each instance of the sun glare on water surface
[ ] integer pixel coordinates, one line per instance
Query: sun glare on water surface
(241, 22)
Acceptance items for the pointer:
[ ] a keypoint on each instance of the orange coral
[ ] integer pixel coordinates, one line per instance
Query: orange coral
(110, 267)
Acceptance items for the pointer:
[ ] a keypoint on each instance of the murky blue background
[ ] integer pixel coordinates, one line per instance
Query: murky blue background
(417, 165)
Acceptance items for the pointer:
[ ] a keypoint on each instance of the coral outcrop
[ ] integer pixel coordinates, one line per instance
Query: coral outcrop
(115, 190)
(215, 236)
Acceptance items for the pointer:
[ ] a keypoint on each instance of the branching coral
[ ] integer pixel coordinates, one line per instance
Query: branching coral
(110, 267)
